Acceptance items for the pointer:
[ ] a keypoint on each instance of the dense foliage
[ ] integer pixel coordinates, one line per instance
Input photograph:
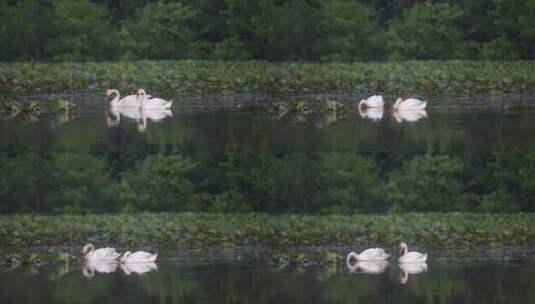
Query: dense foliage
(198, 229)
(268, 30)
(325, 183)
(171, 77)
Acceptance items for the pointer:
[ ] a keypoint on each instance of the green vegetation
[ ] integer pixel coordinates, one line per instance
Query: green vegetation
(266, 30)
(425, 77)
(312, 183)
(198, 229)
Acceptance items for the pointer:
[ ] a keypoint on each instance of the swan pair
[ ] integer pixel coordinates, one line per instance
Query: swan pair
(379, 254)
(377, 102)
(90, 268)
(140, 100)
(108, 254)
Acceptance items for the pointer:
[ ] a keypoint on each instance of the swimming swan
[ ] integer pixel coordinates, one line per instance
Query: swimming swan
(147, 102)
(138, 257)
(375, 101)
(102, 254)
(406, 256)
(128, 101)
(371, 254)
(410, 104)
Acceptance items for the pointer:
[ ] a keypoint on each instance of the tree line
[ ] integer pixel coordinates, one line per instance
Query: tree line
(278, 30)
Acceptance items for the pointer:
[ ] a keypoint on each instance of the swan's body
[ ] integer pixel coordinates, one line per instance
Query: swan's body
(375, 114)
(410, 256)
(371, 254)
(410, 268)
(146, 102)
(129, 101)
(409, 116)
(138, 268)
(138, 257)
(375, 101)
(410, 104)
(89, 253)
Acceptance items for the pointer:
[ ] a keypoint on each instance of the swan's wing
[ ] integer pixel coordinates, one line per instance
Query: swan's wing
(102, 254)
(131, 112)
(376, 99)
(413, 103)
(414, 257)
(157, 103)
(373, 254)
(138, 268)
(142, 256)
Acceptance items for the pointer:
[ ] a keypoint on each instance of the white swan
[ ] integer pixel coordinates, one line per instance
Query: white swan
(138, 257)
(409, 116)
(138, 268)
(410, 268)
(90, 267)
(128, 101)
(410, 104)
(102, 254)
(406, 256)
(375, 114)
(375, 101)
(146, 102)
(371, 254)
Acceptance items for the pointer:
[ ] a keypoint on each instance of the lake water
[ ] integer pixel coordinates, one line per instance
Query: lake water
(501, 276)
(224, 154)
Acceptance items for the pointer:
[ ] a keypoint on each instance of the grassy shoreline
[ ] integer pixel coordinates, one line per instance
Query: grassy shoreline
(206, 229)
(230, 77)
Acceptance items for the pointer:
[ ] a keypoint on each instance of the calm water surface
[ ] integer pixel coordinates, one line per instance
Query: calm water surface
(482, 277)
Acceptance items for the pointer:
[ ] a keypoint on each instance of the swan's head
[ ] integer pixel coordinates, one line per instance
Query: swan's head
(397, 103)
(402, 248)
(125, 255)
(87, 249)
(109, 92)
(140, 95)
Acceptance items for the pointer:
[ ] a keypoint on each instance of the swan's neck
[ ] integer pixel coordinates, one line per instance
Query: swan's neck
(115, 101)
(397, 103)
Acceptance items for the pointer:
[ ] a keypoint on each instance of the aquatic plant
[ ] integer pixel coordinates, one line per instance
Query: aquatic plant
(202, 229)
(228, 77)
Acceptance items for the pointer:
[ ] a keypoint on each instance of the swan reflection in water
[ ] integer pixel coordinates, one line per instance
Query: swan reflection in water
(373, 267)
(410, 268)
(91, 267)
(140, 115)
(138, 268)
(375, 114)
(409, 115)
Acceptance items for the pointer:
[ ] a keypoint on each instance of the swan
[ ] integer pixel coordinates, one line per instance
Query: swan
(89, 253)
(138, 257)
(375, 101)
(373, 267)
(128, 101)
(409, 116)
(371, 254)
(410, 268)
(90, 267)
(129, 268)
(147, 102)
(410, 104)
(375, 114)
(410, 256)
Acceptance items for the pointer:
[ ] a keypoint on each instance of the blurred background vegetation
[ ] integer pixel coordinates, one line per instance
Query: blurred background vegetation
(279, 30)
(312, 183)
